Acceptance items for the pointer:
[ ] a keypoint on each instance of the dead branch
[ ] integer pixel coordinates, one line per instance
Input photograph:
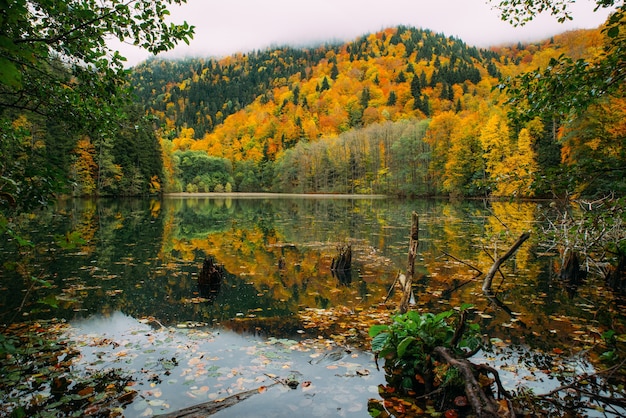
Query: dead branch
(208, 408)
(413, 244)
(576, 385)
(465, 263)
(494, 268)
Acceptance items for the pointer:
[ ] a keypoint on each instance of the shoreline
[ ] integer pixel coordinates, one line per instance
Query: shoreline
(256, 195)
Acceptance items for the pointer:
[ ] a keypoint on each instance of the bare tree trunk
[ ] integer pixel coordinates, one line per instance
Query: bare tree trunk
(499, 261)
(413, 244)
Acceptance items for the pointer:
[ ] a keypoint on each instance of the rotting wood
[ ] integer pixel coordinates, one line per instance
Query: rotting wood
(211, 273)
(571, 270)
(496, 265)
(211, 407)
(413, 244)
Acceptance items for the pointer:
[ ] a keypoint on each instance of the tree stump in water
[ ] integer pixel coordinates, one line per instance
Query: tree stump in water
(210, 278)
(616, 276)
(571, 269)
(344, 260)
(341, 265)
(407, 286)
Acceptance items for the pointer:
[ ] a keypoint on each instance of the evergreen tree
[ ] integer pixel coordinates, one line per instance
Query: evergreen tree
(334, 72)
(325, 85)
(416, 88)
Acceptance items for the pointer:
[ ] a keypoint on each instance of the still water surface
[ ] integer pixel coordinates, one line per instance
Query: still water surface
(133, 281)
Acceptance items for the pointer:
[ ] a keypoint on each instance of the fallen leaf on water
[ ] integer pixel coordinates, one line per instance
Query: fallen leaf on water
(87, 391)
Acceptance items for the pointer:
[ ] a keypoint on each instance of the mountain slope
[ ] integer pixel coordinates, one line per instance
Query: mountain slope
(346, 118)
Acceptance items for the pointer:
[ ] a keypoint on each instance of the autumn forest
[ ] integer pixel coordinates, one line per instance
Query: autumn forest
(507, 159)
(401, 112)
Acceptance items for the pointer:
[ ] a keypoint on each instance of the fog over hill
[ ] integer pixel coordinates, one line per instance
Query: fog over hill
(225, 28)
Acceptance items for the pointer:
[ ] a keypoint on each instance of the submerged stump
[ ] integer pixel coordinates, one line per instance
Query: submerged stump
(341, 265)
(343, 261)
(210, 278)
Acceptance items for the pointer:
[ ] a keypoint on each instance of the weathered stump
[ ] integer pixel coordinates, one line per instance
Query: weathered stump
(210, 279)
(341, 266)
(343, 261)
(571, 269)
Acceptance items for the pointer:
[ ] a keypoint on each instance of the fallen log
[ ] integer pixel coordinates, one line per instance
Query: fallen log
(496, 265)
(211, 407)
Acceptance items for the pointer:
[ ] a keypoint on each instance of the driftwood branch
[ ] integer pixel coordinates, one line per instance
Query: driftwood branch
(413, 244)
(211, 407)
(494, 268)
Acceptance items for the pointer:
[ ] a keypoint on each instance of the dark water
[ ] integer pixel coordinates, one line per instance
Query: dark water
(126, 270)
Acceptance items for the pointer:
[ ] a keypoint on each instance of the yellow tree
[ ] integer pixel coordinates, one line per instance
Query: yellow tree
(185, 139)
(438, 137)
(519, 168)
(84, 168)
(464, 161)
(496, 145)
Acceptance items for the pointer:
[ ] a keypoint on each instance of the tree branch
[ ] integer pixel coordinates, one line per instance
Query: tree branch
(499, 261)
(483, 406)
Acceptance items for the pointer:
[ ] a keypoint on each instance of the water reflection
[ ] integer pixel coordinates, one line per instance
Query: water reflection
(143, 258)
(135, 275)
(174, 368)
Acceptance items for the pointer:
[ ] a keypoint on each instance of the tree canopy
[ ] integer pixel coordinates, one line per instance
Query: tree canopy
(54, 52)
(567, 86)
(60, 79)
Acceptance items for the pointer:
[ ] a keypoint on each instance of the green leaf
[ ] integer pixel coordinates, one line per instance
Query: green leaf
(379, 342)
(50, 300)
(442, 315)
(23, 242)
(9, 74)
(608, 336)
(41, 282)
(377, 329)
(404, 345)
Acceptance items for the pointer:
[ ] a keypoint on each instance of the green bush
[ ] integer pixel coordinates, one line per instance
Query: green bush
(407, 345)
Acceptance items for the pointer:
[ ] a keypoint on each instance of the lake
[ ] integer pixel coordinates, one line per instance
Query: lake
(123, 277)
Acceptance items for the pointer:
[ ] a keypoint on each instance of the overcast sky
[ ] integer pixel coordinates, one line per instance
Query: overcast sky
(227, 26)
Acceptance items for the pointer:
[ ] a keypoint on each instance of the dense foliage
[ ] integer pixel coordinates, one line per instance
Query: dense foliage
(403, 111)
(65, 113)
(407, 344)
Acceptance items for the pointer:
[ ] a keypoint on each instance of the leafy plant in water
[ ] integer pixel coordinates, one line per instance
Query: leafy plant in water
(408, 342)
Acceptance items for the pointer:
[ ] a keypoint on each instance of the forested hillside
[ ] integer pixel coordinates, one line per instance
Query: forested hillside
(403, 111)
